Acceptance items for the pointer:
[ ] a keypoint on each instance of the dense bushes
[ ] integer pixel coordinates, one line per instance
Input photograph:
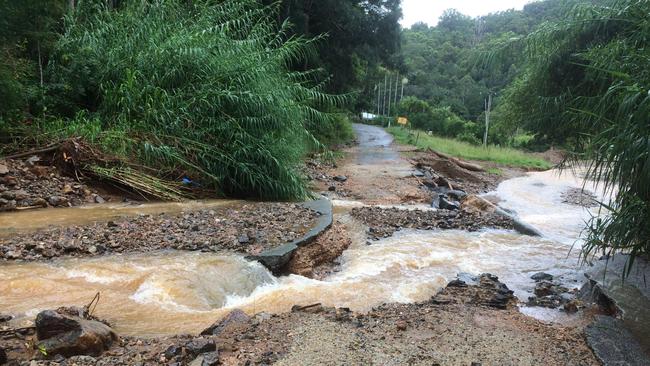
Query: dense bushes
(441, 121)
(192, 89)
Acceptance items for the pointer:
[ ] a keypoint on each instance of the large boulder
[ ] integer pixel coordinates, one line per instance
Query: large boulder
(64, 334)
(206, 359)
(235, 318)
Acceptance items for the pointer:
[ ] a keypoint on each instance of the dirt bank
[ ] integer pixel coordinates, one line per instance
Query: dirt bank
(318, 259)
(248, 229)
(462, 325)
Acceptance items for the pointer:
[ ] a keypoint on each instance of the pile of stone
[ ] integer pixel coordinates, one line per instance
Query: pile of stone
(550, 294)
(30, 184)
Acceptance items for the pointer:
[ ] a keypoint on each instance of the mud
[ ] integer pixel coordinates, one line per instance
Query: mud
(318, 259)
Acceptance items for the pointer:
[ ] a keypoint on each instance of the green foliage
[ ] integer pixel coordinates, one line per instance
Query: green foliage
(334, 131)
(198, 89)
(446, 63)
(28, 31)
(360, 36)
(587, 83)
(441, 121)
(500, 155)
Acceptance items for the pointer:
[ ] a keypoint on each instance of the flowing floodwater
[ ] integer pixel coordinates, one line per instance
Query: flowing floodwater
(173, 292)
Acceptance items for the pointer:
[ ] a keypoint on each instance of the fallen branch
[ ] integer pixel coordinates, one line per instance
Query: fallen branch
(49, 148)
(301, 308)
(460, 163)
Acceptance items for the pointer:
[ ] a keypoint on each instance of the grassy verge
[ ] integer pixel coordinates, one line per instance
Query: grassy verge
(500, 155)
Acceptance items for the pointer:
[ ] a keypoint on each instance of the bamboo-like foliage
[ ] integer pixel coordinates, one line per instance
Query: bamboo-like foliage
(200, 88)
(589, 76)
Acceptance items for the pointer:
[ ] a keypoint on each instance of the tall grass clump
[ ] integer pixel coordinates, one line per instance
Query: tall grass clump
(464, 150)
(588, 77)
(199, 89)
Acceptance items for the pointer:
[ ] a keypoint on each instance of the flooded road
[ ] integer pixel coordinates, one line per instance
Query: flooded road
(173, 292)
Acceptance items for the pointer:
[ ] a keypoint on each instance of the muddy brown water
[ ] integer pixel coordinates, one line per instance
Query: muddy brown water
(179, 292)
(30, 220)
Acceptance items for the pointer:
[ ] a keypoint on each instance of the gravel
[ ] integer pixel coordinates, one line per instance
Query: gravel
(384, 222)
(249, 229)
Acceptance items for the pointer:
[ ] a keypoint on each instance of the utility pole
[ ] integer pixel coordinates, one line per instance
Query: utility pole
(390, 84)
(383, 110)
(488, 106)
(396, 85)
(378, 87)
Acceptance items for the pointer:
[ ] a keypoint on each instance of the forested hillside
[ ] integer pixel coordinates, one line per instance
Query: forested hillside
(450, 66)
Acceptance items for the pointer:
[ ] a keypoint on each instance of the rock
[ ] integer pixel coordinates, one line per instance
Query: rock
(446, 204)
(342, 314)
(13, 254)
(4, 170)
(40, 202)
(456, 194)
(5, 318)
(571, 306)
(235, 317)
(8, 195)
(33, 159)
(613, 343)
(401, 325)
(84, 360)
(541, 276)
(200, 345)
(99, 199)
(6, 205)
(20, 195)
(67, 189)
(9, 180)
(206, 359)
(172, 351)
(57, 201)
(3, 357)
(70, 335)
(331, 188)
(243, 239)
(544, 288)
(340, 178)
(457, 283)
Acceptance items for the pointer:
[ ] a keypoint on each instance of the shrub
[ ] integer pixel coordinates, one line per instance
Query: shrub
(197, 88)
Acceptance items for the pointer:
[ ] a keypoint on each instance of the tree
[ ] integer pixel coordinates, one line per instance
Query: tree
(586, 83)
(360, 36)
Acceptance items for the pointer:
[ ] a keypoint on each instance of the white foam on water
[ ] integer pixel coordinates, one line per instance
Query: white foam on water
(151, 292)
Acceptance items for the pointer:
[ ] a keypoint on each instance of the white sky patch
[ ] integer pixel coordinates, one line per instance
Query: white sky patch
(429, 11)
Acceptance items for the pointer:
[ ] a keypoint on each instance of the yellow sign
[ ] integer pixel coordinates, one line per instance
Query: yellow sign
(402, 120)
